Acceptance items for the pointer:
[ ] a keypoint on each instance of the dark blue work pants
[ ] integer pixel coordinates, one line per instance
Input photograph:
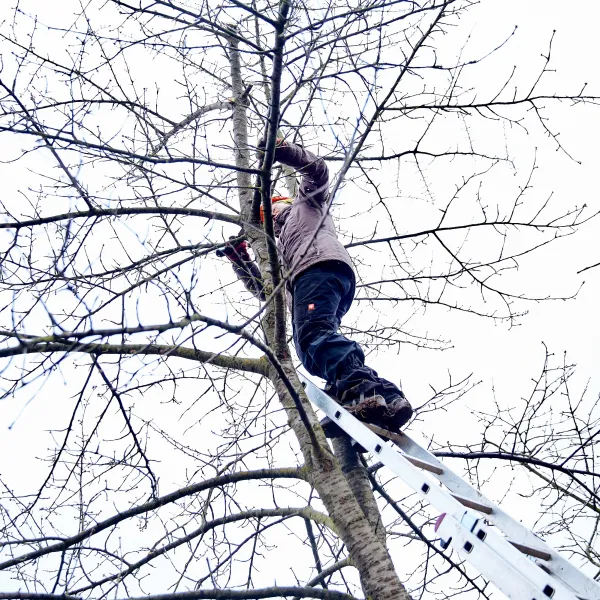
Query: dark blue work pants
(322, 295)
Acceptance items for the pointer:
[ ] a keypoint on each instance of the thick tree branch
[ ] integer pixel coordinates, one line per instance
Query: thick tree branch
(225, 594)
(121, 212)
(260, 366)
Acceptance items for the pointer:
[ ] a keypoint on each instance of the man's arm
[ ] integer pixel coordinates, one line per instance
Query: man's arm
(315, 174)
(245, 268)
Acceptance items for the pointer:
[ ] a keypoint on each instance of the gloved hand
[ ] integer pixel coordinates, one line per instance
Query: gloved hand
(244, 267)
(262, 143)
(235, 253)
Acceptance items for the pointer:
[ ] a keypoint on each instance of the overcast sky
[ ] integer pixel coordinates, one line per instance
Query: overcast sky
(502, 357)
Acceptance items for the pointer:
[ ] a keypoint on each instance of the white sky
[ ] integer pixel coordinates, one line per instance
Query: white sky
(506, 358)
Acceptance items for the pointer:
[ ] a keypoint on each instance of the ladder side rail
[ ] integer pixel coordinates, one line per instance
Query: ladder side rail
(439, 497)
(509, 576)
(513, 529)
(421, 483)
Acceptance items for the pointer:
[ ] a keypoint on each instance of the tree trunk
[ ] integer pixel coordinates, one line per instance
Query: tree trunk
(366, 548)
(357, 477)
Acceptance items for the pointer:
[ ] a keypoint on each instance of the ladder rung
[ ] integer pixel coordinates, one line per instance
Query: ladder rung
(397, 437)
(531, 551)
(386, 433)
(484, 508)
(423, 465)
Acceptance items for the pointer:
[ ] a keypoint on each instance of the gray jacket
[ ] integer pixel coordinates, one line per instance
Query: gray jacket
(302, 241)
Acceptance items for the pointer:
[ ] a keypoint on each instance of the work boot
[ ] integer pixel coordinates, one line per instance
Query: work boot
(366, 408)
(399, 412)
(398, 409)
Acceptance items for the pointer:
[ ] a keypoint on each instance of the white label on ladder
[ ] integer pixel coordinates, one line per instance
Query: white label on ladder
(492, 554)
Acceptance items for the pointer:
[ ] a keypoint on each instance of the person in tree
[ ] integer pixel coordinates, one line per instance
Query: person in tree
(321, 281)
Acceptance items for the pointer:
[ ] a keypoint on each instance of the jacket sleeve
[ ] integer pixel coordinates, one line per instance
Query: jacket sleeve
(248, 273)
(314, 187)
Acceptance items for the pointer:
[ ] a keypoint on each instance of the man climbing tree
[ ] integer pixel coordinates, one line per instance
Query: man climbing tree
(322, 284)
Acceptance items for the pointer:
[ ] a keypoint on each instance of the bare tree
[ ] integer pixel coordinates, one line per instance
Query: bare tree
(190, 461)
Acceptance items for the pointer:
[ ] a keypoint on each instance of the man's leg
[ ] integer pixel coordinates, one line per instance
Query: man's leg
(322, 296)
(358, 379)
(318, 294)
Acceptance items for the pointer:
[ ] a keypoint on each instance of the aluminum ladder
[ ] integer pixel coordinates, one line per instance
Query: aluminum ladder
(508, 554)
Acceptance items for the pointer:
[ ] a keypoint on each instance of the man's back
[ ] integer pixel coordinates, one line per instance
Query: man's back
(308, 235)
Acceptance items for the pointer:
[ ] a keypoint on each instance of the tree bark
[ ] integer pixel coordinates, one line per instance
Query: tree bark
(358, 479)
